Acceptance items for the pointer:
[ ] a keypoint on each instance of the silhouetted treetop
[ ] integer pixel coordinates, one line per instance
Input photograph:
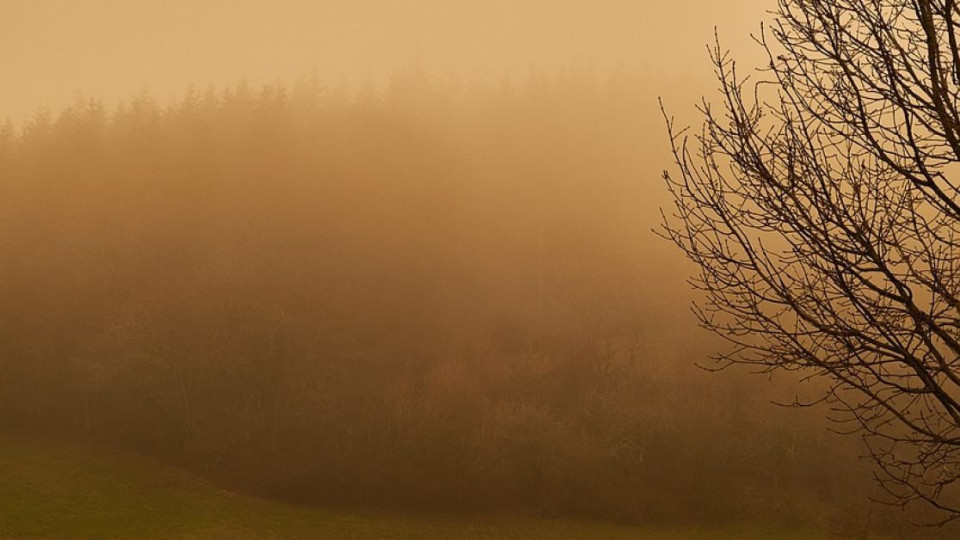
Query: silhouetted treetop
(821, 207)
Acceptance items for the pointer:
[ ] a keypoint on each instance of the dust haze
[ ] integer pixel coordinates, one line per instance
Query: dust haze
(385, 255)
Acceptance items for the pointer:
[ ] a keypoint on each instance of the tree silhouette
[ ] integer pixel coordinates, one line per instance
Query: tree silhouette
(821, 207)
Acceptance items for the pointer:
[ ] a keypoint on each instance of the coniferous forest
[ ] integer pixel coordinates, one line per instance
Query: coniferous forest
(434, 295)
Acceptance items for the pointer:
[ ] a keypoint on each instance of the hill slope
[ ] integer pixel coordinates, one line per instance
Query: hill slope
(50, 490)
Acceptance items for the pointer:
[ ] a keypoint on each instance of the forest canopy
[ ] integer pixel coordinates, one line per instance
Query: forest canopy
(440, 294)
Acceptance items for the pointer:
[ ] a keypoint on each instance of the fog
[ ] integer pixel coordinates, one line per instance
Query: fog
(53, 50)
(385, 255)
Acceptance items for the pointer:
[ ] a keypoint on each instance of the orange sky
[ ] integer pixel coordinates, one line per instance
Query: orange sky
(53, 50)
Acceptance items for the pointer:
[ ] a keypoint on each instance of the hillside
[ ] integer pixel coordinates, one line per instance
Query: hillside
(50, 490)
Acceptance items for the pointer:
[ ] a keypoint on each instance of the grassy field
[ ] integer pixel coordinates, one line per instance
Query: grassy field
(54, 491)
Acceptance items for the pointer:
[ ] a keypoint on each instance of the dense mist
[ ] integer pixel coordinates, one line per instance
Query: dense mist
(53, 50)
(388, 257)
(441, 296)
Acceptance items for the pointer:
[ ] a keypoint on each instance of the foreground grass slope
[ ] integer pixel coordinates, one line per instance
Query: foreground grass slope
(51, 490)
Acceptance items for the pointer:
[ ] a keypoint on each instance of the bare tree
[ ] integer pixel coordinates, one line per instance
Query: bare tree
(821, 205)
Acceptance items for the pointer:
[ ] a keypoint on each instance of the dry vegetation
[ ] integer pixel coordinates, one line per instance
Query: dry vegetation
(441, 296)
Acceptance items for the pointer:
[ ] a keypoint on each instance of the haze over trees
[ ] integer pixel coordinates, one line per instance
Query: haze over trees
(822, 209)
(436, 296)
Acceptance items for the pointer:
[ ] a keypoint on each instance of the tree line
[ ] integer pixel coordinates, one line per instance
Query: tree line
(439, 294)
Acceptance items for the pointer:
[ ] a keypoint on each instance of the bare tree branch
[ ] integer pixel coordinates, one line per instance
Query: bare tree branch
(821, 206)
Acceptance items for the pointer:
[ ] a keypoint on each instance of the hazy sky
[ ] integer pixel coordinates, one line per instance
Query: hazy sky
(53, 50)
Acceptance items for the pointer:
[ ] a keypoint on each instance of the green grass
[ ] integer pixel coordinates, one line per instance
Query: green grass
(51, 490)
